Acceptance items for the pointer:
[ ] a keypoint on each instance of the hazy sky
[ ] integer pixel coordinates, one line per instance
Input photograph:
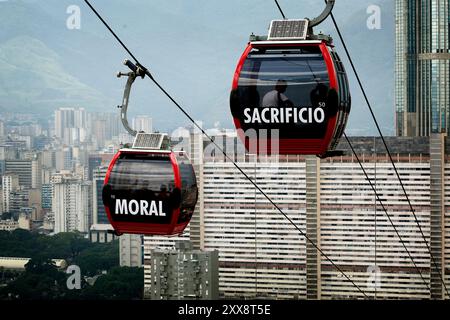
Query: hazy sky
(191, 46)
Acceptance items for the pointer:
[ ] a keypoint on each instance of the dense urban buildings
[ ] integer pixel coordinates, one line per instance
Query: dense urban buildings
(259, 254)
(51, 171)
(422, 67)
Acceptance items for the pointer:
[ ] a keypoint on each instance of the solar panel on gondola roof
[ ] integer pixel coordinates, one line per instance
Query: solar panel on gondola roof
(149, 141)
(288, 30)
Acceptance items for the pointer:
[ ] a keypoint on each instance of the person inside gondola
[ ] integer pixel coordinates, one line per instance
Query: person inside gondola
(277, 97)
(322, 96)
(319, 95)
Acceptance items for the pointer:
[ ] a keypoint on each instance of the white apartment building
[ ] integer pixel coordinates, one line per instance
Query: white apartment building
(71, 205)
(262, 255)
(8, 225)
(143, 124)
(130, 250)
(10, 184)
(71, 125)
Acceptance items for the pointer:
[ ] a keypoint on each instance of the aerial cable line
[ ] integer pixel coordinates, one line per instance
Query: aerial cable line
(384, 208)
(147, 72)
(387, 148)
(281, 10)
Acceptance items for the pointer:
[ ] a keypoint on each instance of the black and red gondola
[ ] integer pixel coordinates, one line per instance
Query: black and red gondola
(290, 92)
(148, 188)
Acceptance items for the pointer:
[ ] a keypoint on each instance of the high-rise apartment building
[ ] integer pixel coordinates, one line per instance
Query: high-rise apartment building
(101, 230)
(10, 183)
(47, 195)
(36, 173)
(2, 130)
(71, 125)
(131, 250)
(195, 153)
(24, 170)
(98, 209)
(71, 205)
(422, 67)
(19, 200)
(104, 126)
(143, 124)
(262, 255)
(64, 159)
(64, 118)
(183, 273)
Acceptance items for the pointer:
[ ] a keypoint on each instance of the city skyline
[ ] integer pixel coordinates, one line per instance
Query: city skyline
(369, 219)
(39, 37)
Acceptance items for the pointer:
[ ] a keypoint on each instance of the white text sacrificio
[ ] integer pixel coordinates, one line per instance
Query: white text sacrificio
(306, 115)
(141, 207)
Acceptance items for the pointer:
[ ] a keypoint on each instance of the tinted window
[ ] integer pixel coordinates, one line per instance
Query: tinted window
(147, 180)
(142, 172)
(284, 79)
(189, 190)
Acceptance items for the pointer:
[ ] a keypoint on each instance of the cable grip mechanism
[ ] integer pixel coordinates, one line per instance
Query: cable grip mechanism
(136, 71)
(325, 13)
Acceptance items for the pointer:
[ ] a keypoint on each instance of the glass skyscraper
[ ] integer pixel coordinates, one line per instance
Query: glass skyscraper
(422, 67)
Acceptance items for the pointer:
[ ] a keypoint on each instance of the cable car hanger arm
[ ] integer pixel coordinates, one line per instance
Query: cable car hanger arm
(137, 70)
(326, 12)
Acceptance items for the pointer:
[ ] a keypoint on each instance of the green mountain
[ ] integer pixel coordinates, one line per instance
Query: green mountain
(33, 79)
(191, 47)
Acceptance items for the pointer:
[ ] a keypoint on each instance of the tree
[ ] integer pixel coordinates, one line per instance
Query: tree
(121, 283)
(97, 258)
(41, 280)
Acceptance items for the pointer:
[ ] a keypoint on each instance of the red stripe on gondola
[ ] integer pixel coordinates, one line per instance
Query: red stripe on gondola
(110, 167)
(177, 179)
(107, 176)
(332, 122)
(240, 65)
(330, 66)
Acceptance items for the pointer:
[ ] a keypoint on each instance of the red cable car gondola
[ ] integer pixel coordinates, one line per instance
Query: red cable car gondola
(292, 83)
(152, 192)
(148, 189)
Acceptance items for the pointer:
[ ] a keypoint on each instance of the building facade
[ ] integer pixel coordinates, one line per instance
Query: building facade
(8, 225)
(47, 195)
(23, 169)
(143, 124)
(262, 255)
(71, 125)
(10, 183)
(71, 205)
(131, 250)
(183, 273)
(99, 215)
(422, 85)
